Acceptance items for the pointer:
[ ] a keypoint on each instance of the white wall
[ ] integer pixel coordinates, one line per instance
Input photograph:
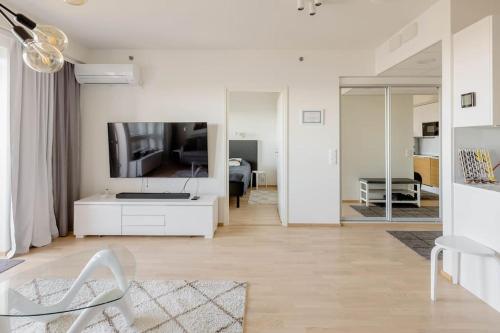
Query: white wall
(402, 141)
(281, 167)
(191, 85)
(430, 146)
(363, 139)
(434, 26)
(440, 21)
(476, 217)
(478, 276)
(253, 116)
(466, 12)
(424, 114)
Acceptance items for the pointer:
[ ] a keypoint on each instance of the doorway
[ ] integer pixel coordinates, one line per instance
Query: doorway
(256, 164)
(390, 132)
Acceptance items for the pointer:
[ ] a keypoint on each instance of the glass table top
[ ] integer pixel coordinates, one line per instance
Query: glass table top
(71, 283)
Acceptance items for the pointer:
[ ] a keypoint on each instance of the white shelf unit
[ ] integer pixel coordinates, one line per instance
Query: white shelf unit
(476, 51)
(107, 216)
(373, 193)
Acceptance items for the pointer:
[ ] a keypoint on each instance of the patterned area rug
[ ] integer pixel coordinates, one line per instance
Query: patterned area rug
(6, 264)
(421, 242)
(159, 306)
(418, 212)
(263, 197)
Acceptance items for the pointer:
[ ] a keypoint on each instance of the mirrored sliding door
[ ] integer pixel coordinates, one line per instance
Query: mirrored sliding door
(363, 153)
(415, 150)
(390, 132)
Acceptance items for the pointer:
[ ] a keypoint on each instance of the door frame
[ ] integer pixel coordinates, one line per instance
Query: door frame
(387, 83)
(284, 96)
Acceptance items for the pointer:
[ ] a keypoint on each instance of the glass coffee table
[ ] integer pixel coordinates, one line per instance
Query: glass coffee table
(82, 284)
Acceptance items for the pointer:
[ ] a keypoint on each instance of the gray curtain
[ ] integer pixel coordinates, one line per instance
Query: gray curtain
(66, 147)
(12, 73)
(31, 137)
(45, 146)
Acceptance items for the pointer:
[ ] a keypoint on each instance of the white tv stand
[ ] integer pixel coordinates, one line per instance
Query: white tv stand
(101, 215)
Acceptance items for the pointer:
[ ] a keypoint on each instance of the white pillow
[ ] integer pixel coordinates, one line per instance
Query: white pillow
(235, 161)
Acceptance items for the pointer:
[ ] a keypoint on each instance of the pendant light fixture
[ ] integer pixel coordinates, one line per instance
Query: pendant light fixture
(42, 44)
(300, 5)
(312, 9)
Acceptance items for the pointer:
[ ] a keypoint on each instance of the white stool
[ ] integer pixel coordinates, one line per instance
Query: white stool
(258, 174)
(457, 245)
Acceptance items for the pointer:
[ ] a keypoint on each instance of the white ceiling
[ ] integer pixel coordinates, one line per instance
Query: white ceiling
(424, 63)
(226, 24)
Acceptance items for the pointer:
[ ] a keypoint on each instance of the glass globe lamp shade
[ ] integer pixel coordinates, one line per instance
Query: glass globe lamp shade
(42, 57)
(51, 35)
(75, 2)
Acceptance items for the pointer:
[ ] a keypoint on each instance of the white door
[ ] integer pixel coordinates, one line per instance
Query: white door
(281, 156)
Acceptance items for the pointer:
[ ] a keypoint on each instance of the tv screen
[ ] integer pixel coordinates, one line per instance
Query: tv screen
(163, 150)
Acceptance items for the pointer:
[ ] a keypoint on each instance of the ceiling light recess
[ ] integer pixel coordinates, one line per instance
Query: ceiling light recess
(75, 2)
(311, 4)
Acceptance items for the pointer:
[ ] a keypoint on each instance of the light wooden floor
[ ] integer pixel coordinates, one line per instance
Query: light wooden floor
(249, 214)
(308, 279)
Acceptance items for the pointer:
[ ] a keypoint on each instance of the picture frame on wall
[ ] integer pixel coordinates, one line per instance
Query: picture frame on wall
(313, 117)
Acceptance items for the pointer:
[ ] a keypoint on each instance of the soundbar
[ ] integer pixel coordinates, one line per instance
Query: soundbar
(138, 195)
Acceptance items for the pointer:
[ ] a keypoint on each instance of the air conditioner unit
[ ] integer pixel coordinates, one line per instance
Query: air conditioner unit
(107, 74)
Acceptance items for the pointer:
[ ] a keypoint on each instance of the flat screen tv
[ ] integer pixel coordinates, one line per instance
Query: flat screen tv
(163, 150)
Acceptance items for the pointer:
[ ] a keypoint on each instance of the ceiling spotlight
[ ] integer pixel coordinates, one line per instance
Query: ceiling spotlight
(75, 2)
(312, 8)
(300, 4)
(311, 5)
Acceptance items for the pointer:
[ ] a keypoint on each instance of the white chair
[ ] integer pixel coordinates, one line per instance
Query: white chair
(456, 245)
(258, 173)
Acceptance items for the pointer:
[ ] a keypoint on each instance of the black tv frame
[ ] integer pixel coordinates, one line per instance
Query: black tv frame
(165, 149)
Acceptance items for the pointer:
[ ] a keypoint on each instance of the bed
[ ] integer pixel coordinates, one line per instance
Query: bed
(240, 176)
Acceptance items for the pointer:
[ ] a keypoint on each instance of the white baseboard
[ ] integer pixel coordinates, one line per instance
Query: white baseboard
(431, 189)
(316, 223)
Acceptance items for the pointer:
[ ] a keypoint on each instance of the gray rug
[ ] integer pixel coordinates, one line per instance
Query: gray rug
(263, 197)
(421, 242)
(424, 195)
(159, 306)
(6, 264)
(407, 211)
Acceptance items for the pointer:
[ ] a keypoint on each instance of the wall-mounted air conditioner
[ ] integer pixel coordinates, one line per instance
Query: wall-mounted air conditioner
(107, 74)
